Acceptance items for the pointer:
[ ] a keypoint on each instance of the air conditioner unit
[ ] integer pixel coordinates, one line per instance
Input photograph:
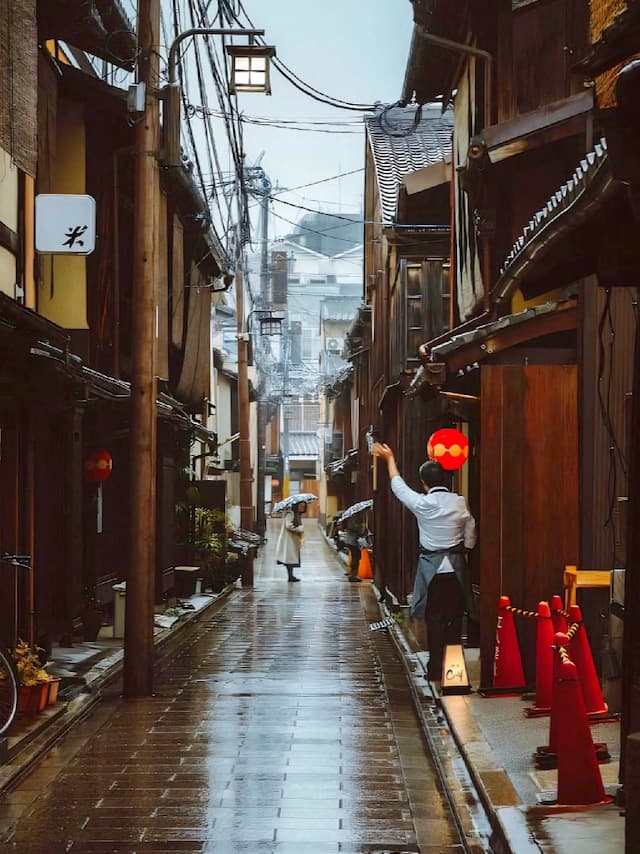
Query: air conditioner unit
(334, 345)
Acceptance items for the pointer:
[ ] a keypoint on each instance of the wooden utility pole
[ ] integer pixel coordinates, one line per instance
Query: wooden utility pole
(138, 642)
(246, 491)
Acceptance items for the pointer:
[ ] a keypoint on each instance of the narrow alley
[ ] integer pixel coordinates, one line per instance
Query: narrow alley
(271, 730)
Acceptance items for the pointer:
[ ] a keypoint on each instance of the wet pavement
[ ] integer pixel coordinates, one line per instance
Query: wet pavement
(280, 724)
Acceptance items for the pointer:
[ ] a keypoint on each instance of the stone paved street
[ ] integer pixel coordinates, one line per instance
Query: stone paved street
(282, 724)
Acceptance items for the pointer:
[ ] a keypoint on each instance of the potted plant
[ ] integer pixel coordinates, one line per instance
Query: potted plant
(92, 613)
(33, 691)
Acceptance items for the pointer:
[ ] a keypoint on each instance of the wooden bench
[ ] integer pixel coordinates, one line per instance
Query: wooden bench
(575, 579)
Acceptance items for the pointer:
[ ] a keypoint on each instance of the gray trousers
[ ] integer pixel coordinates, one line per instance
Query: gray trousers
(426, 570)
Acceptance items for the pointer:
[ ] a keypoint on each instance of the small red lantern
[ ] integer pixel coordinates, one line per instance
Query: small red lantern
(449, 447)
(98, 466)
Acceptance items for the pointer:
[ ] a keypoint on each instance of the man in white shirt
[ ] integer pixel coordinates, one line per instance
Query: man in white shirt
(442, 587)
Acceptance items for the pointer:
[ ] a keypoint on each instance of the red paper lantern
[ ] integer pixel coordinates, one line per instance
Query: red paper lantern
(449, 447)
(98, 466)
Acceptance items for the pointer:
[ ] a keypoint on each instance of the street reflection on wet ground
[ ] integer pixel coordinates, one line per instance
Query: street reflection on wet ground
(281, 725)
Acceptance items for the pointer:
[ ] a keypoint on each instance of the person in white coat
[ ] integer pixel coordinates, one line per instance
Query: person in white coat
(290, 539)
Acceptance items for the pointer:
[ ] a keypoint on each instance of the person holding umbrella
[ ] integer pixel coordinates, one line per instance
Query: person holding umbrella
(291, 538)
(353, 532)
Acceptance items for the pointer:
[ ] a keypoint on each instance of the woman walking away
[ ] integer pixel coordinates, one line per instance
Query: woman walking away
(290, 539)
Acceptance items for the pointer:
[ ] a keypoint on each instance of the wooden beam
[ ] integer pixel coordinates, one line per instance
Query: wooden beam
(427, 177)
(508, 138)
(8, 239)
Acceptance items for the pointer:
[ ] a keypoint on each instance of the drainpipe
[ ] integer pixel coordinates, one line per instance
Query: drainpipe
(484, 55)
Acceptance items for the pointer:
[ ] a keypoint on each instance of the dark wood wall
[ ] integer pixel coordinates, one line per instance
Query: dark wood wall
(538, 45)
(608, 325)
(9, 495)
(529, 493)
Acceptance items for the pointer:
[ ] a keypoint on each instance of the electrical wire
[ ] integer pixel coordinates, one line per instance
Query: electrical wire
(297, 82)
(199, 110)
(395, 130)
(314, 230)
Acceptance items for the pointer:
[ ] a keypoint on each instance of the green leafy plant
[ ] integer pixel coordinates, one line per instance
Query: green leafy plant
(208, 535)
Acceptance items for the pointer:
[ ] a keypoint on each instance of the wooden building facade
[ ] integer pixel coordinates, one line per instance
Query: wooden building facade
(406, 299)
(547, 344)
(65, 322)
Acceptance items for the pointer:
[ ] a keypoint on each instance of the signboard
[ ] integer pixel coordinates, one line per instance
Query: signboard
(65, 224)
(454, 671)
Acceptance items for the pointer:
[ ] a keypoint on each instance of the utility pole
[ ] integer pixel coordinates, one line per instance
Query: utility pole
(246, 497)
(264, 302)
(138, 642)
(286, 474)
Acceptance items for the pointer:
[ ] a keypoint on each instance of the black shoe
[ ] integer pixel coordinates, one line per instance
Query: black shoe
(354, 578)
(293, 578)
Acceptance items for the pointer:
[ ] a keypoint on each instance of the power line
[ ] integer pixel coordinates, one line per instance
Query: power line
(321, 181)
(300, 84)
(312, 230)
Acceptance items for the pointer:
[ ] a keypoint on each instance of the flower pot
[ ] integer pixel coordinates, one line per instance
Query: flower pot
(54, 686)
(43, 699)
(28, 699)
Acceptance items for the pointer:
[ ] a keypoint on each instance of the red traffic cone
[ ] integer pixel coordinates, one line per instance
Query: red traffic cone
(544, 662)
(581, 654)
(559, 620)
(365, 570)
(579, 779)
(547, 757)
(508, 674)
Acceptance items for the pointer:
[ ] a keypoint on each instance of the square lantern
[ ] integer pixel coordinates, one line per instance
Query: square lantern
(271, 325)
(250, 68)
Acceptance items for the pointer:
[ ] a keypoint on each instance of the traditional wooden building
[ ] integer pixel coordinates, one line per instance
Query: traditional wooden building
(407, 246)
(65, 331)
(546, 166)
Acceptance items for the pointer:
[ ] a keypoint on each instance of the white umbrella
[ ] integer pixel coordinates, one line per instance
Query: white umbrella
(360, 507)
(292, 500)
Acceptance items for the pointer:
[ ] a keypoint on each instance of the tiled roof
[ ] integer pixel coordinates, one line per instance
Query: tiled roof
(538, 234)
(344, 465)
(431, 70)
(340, 308)
(334, 386)
(303, 445)
(481, 333)
(397, 156)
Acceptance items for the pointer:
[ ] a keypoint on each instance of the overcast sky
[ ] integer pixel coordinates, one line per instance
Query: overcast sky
(354, 50)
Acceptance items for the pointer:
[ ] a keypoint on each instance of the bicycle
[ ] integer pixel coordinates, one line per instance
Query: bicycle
(9, 682)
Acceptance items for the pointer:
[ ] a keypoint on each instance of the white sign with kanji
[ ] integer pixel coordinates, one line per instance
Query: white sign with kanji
(65, 224)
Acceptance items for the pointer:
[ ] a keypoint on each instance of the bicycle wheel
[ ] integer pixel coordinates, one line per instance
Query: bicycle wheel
(8, 693)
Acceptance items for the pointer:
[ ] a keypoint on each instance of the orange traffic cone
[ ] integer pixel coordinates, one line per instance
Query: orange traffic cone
(508, 674)
(579, 779)
(547, 757)
(581, 653)
(544, 663)
(365, 570)
(558, 618)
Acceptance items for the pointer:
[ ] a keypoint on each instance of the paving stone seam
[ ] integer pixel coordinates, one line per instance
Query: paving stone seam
(24, 761)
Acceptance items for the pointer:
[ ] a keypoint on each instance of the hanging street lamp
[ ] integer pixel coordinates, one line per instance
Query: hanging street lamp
(250, 68)
(249, 73)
